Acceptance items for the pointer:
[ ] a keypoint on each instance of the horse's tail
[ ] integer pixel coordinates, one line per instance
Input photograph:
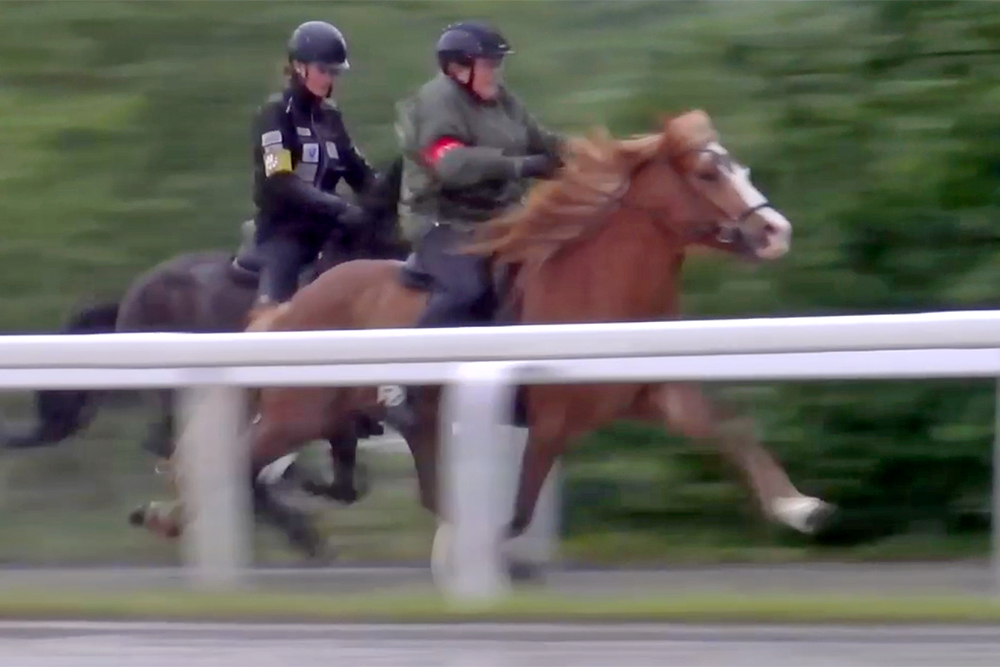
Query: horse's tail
(61, 413)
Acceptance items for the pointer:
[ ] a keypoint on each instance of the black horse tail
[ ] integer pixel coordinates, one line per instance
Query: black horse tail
(61, 413)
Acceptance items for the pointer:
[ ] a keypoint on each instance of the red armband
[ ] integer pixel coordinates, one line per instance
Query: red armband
(433, 153)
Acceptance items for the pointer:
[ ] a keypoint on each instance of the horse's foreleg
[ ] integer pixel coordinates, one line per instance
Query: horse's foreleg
(422, 439)
(350, 483)
(685, 409)
(288, 418)
(547, 437)
(271, 440)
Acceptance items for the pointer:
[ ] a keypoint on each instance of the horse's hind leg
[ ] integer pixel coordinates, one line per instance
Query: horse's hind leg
(288, 419)
(160, 437)
(162, 517)
(687, 410)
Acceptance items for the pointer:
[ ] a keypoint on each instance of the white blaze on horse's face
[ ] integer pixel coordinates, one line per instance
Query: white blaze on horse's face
(768, 233)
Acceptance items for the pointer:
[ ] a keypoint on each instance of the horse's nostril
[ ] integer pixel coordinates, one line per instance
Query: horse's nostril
(770, 228)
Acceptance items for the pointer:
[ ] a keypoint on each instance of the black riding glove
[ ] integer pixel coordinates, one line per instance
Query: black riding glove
(539, 166)
(353, 217)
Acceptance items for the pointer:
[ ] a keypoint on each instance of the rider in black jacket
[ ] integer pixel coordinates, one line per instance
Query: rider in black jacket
(301, 151)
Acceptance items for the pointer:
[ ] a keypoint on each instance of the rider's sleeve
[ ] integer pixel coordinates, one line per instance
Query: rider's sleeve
(358, 172)
(445, 148)
(540, 138)
(280, 184)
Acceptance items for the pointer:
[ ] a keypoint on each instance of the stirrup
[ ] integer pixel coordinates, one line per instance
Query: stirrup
(262, 314)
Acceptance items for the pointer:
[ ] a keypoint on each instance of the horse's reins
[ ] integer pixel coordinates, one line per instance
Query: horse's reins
(730, 233)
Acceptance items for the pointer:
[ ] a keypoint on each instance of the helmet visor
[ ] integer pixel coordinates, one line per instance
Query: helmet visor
(333, 69)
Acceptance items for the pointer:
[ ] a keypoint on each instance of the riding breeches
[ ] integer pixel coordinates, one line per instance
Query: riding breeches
(283, 256)
(463, 292)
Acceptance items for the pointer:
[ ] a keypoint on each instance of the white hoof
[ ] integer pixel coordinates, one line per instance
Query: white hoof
(441, 555)
(272, 472)
(803, 513)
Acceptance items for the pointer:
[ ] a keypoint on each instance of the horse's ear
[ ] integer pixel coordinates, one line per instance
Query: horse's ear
(666, 131)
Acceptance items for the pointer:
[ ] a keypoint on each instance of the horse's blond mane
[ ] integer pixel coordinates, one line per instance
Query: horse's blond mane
(596, 170)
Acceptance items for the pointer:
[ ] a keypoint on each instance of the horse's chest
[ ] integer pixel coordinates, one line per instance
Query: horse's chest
(318, 156)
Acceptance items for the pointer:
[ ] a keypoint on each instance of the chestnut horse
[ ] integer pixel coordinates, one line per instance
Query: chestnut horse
(604, 241)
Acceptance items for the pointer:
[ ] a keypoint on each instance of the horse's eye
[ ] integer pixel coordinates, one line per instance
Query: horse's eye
(709, 176)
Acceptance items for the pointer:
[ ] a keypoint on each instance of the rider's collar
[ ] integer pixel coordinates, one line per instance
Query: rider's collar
(301, 96)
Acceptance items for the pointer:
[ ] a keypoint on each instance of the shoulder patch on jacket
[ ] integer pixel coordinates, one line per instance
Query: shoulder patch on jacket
(277, 159)
(270, 138)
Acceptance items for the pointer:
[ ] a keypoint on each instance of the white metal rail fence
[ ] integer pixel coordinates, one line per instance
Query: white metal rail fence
(479, 366)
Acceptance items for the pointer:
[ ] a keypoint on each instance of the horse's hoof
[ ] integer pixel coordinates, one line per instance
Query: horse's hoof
(820, 518)
(343, 493)
(441, 555)
(805, 514)
(308, 540)
(362, 481)
(137, 517)
(524, 572)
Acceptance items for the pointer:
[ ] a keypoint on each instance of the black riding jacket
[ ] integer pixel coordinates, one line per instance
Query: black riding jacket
(301, 150)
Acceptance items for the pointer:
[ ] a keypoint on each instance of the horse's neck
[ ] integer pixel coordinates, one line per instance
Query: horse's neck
(627, 271)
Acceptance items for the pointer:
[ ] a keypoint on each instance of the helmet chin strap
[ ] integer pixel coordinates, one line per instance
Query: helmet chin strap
(300, 81)
(469, 85)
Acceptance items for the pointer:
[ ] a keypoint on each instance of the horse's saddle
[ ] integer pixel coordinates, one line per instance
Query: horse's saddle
(415, 276)
(247, 262)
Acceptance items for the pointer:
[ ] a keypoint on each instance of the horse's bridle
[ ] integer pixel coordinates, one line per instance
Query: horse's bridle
(729, 233)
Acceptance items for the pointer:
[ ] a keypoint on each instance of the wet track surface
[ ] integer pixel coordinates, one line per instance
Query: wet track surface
(78, 644)
(490, 645)
(972, 578)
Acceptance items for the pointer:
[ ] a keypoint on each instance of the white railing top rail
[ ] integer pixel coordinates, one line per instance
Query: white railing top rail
(872, 365)
(959, 329)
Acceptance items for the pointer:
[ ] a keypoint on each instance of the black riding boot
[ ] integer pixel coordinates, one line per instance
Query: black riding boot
(464, 285)
(440, 313)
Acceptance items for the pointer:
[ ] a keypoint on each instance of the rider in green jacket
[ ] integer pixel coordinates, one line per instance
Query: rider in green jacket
(469, 148)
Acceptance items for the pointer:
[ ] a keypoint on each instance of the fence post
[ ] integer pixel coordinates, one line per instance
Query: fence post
(995, 513)
(214, 484)
(475, 455)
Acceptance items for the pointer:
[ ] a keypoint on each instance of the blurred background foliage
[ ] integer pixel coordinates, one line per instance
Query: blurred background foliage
(873, 125)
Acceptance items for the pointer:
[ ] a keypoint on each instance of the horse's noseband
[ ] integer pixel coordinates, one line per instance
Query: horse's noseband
(732, 232)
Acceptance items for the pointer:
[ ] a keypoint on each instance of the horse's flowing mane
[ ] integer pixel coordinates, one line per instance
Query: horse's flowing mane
(596, 172)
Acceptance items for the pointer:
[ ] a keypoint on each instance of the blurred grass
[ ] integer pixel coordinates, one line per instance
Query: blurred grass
(125, 142)
(422, 607)
(67, 506)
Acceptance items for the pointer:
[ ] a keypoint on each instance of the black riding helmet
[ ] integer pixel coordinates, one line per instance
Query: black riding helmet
(319, 42)
(461, 43)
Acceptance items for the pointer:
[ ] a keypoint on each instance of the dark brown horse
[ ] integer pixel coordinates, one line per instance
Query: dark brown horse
(603, 242)
(211, 291)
